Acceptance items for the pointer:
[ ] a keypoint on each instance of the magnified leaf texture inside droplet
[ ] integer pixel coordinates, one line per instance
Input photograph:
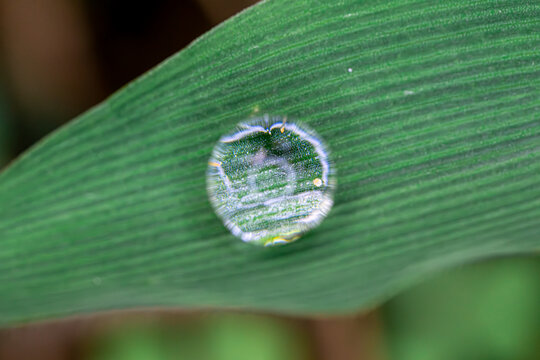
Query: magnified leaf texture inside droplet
(270, 180)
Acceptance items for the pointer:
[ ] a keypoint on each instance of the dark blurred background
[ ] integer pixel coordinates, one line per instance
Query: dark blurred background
(60, 57)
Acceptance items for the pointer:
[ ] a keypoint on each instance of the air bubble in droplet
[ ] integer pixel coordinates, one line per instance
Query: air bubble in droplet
(270, 180)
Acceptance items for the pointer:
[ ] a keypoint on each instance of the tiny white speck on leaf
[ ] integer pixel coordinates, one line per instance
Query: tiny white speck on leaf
(349, 70)
(408, 92)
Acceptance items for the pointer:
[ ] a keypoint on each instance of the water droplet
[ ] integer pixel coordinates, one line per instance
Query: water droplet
(270, 180)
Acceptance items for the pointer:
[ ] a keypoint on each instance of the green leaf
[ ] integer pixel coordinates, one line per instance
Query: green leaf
(431, 111)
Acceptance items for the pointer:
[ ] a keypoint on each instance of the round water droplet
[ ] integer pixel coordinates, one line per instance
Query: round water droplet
(270, 180)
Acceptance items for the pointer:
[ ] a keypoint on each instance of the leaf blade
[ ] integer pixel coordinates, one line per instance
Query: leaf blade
(433, 129)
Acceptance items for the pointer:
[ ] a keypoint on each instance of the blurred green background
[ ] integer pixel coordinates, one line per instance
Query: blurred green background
(60, 57)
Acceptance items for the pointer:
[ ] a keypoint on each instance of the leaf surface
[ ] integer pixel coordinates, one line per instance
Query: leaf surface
(431, 111)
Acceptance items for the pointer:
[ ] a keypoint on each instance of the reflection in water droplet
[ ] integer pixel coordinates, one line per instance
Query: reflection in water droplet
(270, 180)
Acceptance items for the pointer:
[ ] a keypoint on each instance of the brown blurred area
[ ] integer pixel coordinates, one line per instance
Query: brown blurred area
(342, 338)
(60, 57)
